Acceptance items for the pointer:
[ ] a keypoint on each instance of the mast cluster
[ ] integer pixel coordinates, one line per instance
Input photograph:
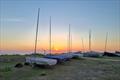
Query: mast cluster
(69, 37)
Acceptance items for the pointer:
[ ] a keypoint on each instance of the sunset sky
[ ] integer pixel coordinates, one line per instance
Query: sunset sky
(18, 24)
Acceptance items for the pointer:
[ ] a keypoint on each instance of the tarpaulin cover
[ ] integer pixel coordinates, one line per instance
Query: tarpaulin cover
(41, 61)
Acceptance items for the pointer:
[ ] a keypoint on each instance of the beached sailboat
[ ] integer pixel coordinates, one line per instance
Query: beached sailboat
(77, 54)
(92, 53)
(37, 60)
(106, 53)
(118, 51)
(59, 57)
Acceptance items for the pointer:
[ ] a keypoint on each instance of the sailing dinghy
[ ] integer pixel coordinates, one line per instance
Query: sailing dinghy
(41, 61)
(38, 60)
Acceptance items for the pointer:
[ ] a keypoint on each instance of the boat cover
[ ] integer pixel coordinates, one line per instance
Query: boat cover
(41, 61)
(93, 54)
(57, 57)
(77, 54)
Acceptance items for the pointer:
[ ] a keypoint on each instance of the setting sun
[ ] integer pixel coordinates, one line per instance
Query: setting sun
(56, 49)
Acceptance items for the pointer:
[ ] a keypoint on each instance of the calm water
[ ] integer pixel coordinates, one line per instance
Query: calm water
(10, 52)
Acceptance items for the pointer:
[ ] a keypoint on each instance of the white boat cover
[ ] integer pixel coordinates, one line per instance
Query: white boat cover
(78, 55)
(71, 55)
(41, 61)
(93, 54)
(118, 55)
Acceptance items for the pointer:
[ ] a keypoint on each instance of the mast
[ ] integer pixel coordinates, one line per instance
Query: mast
(106, 41)
(71, 43)
(37, 31)
(90, 40)
(44, 51)
(69, 48)
(82, 43)
(50, 37)
(53, 47)
(119, 41)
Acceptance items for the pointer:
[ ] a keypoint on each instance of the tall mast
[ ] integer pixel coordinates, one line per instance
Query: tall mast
(37, 31)
(50, 37)
(90, 40)
(119, 40)
(82, 43)
(52, 47)
(106, 41)
(69, 40)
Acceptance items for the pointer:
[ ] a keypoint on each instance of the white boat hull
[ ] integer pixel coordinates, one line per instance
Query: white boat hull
(41, 61)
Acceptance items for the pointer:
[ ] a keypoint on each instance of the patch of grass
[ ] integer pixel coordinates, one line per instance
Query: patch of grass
(75, 69)
(5, 69)
(1, 75)
(78, 58)
(105, 57)
(11, 56)
(43, 73)
(37, 55)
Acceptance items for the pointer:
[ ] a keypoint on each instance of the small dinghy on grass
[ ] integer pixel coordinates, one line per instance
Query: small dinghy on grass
(63, 57)
(93, 54)
(111, 54)
(41, 61)
(68, 56)
(59, 58)
(77, 54)
(117, 53)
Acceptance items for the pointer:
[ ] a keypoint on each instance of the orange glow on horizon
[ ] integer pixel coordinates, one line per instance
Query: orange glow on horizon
(58, 49)
(59, 44)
